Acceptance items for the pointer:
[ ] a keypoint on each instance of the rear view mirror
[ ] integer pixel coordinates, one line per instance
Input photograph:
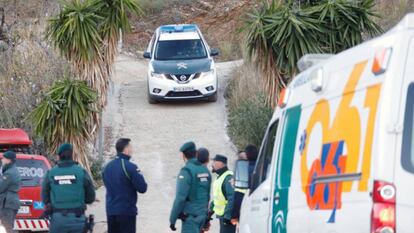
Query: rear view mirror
(241, 176)
(214, 52)
(147, 55)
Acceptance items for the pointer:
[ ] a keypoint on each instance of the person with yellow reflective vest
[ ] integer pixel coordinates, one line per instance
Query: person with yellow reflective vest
(223, 194)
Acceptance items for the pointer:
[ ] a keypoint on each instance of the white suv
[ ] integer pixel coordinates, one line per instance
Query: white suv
(181, 65)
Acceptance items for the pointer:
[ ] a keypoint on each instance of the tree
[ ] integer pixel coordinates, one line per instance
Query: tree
(75, 33)
(86, 33)
(115, 14)
(280, 33)
(64, 115)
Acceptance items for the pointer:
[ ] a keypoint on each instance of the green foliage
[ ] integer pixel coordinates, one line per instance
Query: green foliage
(248, 121)
(96, 168)
(280, 33)
(64, 115)
(75, 32)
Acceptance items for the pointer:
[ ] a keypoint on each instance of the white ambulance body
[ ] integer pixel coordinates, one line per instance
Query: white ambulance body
(338, 155)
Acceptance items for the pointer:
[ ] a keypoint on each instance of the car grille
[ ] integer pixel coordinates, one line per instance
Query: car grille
(183, 78)
(183, 94)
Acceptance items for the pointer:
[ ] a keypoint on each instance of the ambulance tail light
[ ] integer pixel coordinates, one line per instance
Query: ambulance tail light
(383, 210)
(283, 98)
(381, 61)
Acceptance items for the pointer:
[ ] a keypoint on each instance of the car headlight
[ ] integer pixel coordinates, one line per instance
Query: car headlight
(208, 73)
(156, 75)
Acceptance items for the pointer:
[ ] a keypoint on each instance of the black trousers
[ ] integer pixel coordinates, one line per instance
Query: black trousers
(122, 224)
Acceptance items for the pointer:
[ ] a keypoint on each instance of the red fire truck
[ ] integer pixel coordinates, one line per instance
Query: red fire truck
(32, 168)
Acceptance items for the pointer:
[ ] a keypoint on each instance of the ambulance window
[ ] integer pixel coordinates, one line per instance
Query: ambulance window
(262, 170)
(31, 171)
(407, 157)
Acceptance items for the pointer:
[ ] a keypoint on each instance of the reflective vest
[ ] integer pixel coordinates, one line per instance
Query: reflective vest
(67, 187)
(219, 199)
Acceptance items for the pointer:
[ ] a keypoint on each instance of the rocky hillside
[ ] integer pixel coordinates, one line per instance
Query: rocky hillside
(219, 21)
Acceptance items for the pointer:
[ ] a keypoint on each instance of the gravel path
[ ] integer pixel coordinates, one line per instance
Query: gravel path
(157, 131)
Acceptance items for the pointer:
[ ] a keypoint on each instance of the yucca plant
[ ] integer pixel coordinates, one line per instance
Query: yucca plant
(75, 33)
(281, 32)
(64, 116)
(115, 15)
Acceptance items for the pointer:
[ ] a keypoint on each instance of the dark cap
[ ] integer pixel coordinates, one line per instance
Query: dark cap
(221, 158)
(188, 147)
(9, 155)
(64, 147)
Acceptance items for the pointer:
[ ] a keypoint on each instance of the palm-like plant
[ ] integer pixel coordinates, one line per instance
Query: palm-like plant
(280, 33)
(64, 115)
(75, 33)
(115, 14)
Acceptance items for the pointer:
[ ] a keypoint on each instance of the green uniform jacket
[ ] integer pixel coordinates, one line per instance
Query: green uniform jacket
(9, 186)
(193, 191)
(87, 184)
(228, 191)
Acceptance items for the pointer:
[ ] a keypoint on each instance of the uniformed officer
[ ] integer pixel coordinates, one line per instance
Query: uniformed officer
(193, 192)
(67, 188)
(9, 186)
(223, 194)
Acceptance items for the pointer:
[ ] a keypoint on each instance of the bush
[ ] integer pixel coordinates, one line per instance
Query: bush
(248, 122)
(97, 164)
(248, 112)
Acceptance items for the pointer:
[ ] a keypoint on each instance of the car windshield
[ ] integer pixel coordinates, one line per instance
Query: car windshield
(31, 171)
(180, 50)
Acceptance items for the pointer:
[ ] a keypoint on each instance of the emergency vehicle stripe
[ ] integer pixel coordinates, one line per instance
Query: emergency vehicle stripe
(25, 223)
(19, 225)
(34, 224)
(41, 224)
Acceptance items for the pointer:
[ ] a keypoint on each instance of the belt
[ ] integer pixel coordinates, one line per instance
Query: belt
(77, 211)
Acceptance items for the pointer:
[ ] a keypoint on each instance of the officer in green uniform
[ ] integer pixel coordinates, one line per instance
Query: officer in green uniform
(9, 186)
(223, 194)
(193, 193)
(67, 188)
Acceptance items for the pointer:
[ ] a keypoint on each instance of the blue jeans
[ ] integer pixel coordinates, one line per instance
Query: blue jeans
(122, 224)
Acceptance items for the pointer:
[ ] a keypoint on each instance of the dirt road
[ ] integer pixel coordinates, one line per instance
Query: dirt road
(157, 131)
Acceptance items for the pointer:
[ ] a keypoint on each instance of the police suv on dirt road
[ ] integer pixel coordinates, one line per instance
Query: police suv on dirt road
(181, 65)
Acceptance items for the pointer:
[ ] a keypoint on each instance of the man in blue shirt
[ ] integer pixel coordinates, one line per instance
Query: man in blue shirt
(122, 180)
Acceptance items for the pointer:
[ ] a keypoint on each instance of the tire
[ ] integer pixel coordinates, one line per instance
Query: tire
(151, 100)
(213, 98)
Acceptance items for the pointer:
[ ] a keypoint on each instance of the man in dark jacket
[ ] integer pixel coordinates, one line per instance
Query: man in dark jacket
(9, 186)
(67, 188)
(122, 180)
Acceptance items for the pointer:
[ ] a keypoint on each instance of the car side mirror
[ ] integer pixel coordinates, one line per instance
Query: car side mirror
(147, 55)
(214, 52)
(241, 176)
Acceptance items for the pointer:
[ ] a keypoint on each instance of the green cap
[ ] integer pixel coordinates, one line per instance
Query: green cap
(64, 147)
(188, 146)
(9, 155)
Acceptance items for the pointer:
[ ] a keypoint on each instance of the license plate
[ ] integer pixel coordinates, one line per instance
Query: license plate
(24, 210)
(183, 89)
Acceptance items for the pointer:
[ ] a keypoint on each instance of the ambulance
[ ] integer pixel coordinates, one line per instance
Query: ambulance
(338, 154)
(32, 169)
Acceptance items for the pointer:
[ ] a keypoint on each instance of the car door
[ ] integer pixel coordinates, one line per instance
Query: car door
(404, 172)
(260, 193)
